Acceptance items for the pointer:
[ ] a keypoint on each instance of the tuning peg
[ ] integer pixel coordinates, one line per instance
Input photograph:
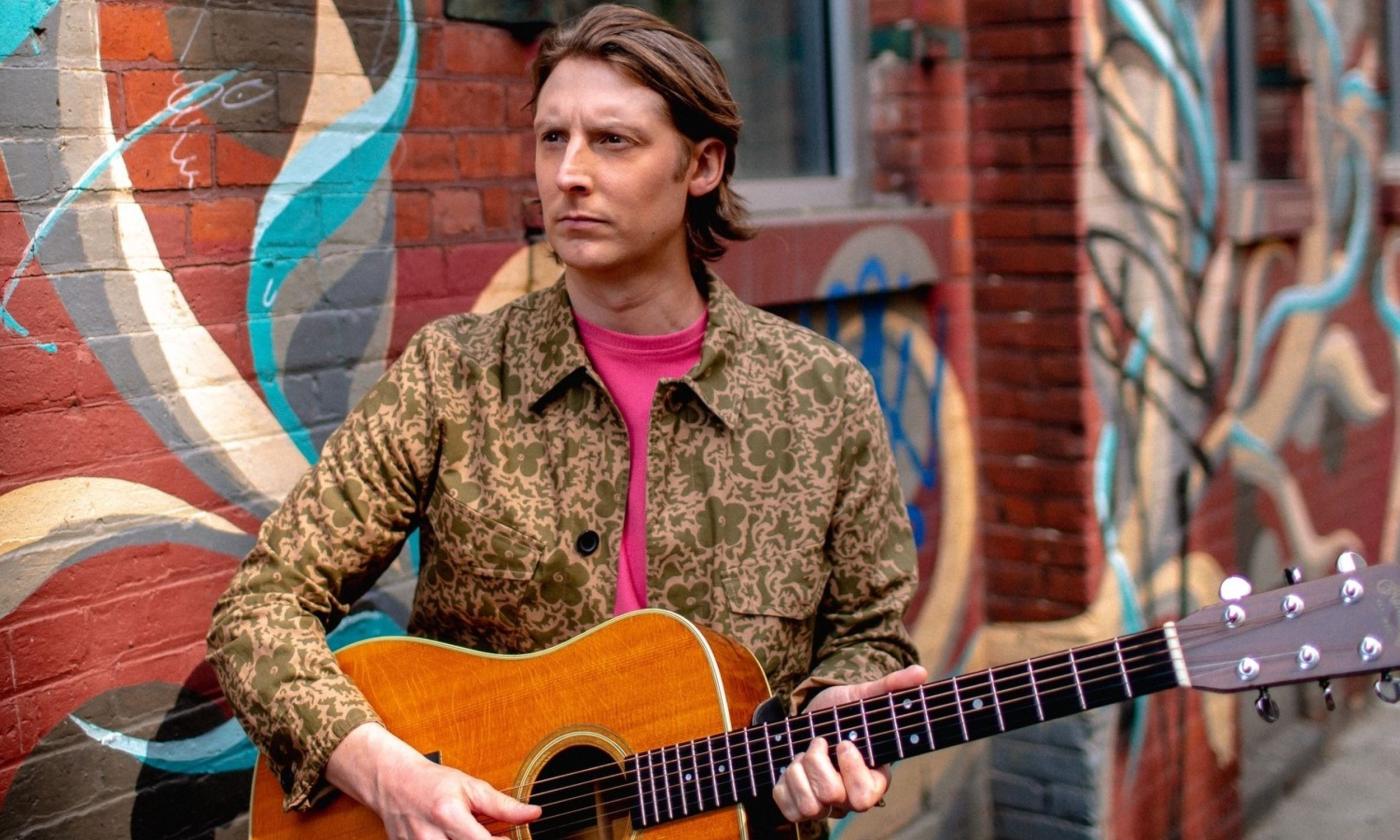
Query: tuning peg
(1266, 706)
(1387, 688)
(1327, 695)
(1292, 575)
(1350, 561)
(1234, 587)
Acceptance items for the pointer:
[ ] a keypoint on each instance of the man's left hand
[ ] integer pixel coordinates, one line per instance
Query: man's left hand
(815, 787)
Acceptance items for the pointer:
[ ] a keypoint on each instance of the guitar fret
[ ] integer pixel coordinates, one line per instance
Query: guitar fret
(1122, 667)
(768, 750)
(1035, 692)
(957, 702)
(894, 722)
(1078, 686)
(836, 719)
(714, 776)
(865, 730)
(666, 781)
(729, 762)
(791, 744)
(996, 701)
(928, 724)
(748, 752)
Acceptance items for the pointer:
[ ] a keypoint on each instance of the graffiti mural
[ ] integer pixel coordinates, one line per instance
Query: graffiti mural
(217, 226)
(1234, 359)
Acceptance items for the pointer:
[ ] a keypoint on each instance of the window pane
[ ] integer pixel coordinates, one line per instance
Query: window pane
(776, 54)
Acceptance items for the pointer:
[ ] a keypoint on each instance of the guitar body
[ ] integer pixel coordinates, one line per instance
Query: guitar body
(635, 683)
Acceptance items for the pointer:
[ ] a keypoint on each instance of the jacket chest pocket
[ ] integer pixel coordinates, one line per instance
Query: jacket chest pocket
(771, 606)
(469, 539)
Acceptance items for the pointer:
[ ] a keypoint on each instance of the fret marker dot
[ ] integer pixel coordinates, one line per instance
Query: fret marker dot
(908, 704)
(688, 777)
(851, 736)
(914, 739)
(721, 768)
(777, 739)
(977, 702)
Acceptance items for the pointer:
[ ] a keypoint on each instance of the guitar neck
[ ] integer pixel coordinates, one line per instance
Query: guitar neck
(683, 779)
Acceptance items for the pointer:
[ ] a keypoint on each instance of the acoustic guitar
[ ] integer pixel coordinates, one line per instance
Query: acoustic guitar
(641, 726)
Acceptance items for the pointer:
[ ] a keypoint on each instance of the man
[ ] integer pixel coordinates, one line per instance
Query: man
(633, 436)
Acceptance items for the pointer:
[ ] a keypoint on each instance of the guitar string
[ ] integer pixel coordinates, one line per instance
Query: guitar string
(1055, 678)
(1052, 678)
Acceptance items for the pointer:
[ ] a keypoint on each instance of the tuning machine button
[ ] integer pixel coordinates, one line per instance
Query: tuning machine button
(1370, 648)
(1387, 688)
(1234, 587)
(1292, 575)
(1247, 669)
(1292, 605)
(1266, 706)
(1327, 695)
(1350, 561)
(1308, 657)
(1352, 590)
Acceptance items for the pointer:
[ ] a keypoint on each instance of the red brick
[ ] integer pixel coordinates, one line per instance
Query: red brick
(1011, 577)
(943, 149)
(983, 12)
(422, 273)
(1040, 331)
(482, 155)
(147, 93)
(169, 225)
(890, 12)
(425, 157)
(477, 50)
(1065, 585)
(456, 212)
(1022, 41)
(1066, 515)
(133, 32)
(1023, 113)
(1051, 148)
(991, 149)
(949, 186)
(1005, 607)
(1025, 186)
(499, 208)
(518, 112)
(1034, 257)
(223, 225)
(412, 215)
(237, 163)
(457, 104)
(429, 48)
(49, 648)
(169, 161)
(1001, 78)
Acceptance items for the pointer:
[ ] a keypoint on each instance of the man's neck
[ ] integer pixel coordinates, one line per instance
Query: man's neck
(645, 303)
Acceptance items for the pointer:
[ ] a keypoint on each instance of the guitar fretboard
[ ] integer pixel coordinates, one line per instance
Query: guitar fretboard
(683, 779)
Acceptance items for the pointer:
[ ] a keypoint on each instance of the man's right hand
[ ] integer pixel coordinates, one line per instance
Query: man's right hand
(417, 799)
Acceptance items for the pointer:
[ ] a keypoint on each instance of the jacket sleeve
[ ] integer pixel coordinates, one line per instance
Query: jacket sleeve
(331, 538)
(860, 633)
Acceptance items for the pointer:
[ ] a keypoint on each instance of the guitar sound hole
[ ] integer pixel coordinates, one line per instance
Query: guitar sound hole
(583, 795)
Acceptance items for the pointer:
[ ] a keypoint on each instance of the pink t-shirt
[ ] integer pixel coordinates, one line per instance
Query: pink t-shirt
(631, 366)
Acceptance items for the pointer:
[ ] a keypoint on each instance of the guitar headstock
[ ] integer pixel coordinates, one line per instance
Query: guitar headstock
(1341, 625)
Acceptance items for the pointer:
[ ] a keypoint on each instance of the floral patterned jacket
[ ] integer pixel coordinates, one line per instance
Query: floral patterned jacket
(774, 515)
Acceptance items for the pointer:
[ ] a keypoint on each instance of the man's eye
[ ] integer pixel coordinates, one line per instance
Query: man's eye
(551, 137)
(614, 140)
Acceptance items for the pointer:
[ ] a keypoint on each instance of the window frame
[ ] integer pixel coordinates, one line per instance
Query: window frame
(850, 185)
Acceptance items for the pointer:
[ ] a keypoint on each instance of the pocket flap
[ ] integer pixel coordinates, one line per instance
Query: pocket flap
(789, 586)
(481, 544)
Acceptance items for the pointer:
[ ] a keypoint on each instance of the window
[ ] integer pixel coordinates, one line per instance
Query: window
(1266, 90)
(791, 65)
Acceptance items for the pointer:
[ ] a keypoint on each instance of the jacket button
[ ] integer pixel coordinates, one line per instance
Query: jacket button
(587, 542)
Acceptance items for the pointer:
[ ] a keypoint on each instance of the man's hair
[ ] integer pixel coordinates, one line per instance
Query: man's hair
(679, 68)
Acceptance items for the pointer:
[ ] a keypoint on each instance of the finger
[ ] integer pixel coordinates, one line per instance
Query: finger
(453, 819)
(489, 802)
(822, 777)
(864, 785)
(805, 803)
(907, 677)
(783, 793)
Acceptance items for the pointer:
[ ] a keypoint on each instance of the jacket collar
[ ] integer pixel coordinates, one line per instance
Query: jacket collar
(548, 328)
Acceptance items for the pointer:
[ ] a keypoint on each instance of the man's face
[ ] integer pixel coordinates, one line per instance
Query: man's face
(613, 172)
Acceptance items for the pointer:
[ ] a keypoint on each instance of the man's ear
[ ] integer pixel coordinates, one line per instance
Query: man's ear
(706, 166)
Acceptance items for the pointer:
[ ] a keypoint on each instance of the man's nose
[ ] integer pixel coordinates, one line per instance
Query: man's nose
(575, 168)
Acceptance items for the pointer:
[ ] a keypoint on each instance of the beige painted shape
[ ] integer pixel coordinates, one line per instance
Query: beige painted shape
(530, 268)
(338, 81)
(80, 506)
